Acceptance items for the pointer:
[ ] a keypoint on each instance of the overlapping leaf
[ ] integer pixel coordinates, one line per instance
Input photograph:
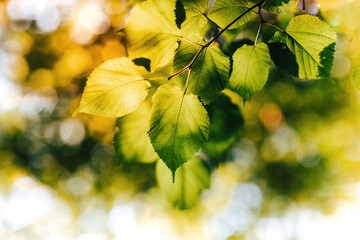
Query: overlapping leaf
(152, 32)
(281, 55)
(195, 17)
(192, 178)
(131, 141)
(114, 89)
(179, 125)
(278, 6)
(226, 122)
(313, 43)
(209, 73)
(225, 11)
(250, 69)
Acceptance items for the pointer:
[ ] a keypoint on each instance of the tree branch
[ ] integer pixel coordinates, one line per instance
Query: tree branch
(213, 39)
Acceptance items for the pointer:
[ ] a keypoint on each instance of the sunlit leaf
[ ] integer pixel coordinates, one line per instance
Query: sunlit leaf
(191, 179)
(209, 73)
(195, 17)
(132, 143)
(250, 69)
(312, 42)
(114, 89)
(179, 125)
(152, 32)
(225, 11)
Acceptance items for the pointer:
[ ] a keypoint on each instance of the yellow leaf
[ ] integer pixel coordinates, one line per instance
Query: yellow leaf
(114, 89)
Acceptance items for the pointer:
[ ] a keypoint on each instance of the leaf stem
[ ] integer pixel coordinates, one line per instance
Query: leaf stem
(258, 33)
(260, 26)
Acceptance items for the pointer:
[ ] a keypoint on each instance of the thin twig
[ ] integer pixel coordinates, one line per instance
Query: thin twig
(213, 39)
(212, 22)
(259, 4)
(260, 26)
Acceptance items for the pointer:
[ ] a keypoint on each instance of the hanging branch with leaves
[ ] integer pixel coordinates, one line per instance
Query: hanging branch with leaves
(187, 75)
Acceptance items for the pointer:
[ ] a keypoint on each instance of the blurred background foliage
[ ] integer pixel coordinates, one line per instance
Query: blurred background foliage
(293, 173)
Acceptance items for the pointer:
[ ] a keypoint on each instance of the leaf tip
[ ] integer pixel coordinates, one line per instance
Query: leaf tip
(173, 175)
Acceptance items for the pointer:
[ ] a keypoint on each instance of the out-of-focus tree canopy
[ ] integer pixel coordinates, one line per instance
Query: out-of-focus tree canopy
(291, 171)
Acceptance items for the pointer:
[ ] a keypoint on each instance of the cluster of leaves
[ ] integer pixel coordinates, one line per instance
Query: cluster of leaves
(186, 76)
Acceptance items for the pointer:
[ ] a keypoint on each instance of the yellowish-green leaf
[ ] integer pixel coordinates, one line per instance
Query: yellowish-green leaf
(179, 125)
(192, 178)
(131, 141)
(152, 32)
(312, 41)
(195, 17)
(114, 89)
(225, 11)
(250, 69)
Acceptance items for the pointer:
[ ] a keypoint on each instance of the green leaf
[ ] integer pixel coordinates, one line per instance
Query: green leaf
(250, 69)
(226, 123)
(114, 89)
(279, 6)
(279, 37)
(192, 178)
(312, 42)
(356, 74)
(131, 141)
(283, 58)
(195, 17)
(179, 125)
(209, 73)
(152, 32)
(225, 11)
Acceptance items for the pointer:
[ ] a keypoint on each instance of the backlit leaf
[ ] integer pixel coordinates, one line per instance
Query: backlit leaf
(152, 32)
(114, 89)
(191, 179)
(209, 73)
(195, 17)
(225, 11)
(250, 69)
(312, 42)
(179, 125)
(131, 141)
